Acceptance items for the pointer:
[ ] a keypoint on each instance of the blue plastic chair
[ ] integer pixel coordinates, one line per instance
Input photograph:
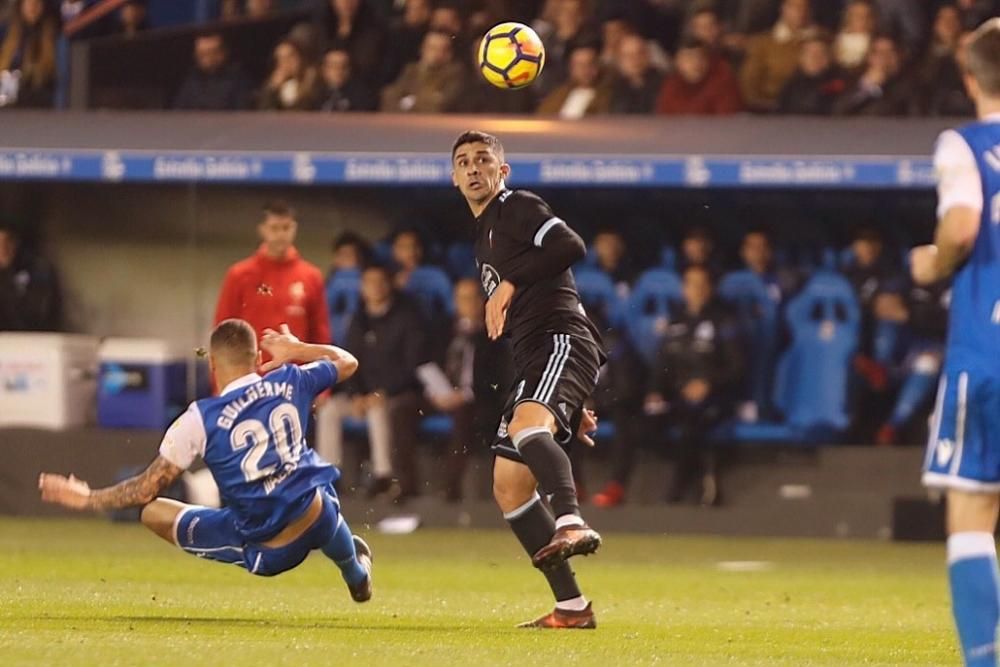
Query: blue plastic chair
(647, 311)
(432, 288)
(757, 312)
(460, 260)
(598, 294)
(343, 296)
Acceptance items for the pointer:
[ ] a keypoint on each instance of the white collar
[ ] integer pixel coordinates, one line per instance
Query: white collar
(241, 382)
(992, 117)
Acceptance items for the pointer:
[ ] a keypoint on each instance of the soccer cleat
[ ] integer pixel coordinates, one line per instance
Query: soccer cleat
(569, 541)
(565, 619)
(363, 591)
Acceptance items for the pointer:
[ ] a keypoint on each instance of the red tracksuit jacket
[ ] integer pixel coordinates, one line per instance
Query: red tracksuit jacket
(268, 293)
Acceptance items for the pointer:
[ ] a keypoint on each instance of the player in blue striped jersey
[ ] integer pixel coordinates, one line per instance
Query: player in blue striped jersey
(278, 496)
(963, 454)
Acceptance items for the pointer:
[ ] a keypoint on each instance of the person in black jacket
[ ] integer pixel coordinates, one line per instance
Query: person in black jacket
(694, 380)
(386, 336)
(215, 83)
(30, 298)
(343, 92)
(479, 371)
(816, 83)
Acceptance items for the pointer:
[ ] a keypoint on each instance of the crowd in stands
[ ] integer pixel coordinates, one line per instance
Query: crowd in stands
(825, 57)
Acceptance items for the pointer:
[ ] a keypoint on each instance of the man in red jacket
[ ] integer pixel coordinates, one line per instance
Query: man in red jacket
(275, 286)
(700, 85)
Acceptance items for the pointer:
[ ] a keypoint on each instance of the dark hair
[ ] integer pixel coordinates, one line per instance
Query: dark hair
(983, 62)
(691, 42)
(408, 230)
(381, 268)
(478, 137)
(699, 232)
(699, 267)
(349, 238)
(234, 342)
(279, 208)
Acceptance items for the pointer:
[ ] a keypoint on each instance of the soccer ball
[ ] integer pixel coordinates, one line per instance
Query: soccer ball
(511, 55)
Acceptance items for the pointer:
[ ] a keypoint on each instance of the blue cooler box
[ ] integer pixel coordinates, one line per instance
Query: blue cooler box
(143, 383)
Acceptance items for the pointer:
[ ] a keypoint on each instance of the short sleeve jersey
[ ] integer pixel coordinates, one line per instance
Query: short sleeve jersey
(509, 235)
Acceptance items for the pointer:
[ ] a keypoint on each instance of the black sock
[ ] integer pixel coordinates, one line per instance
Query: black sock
(534, 527)
(550, 465)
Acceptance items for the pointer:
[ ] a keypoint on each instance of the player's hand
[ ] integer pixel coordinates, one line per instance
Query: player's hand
(281, 345)
(66, 491)
(588, 426)
(496, 309)
(923, 264)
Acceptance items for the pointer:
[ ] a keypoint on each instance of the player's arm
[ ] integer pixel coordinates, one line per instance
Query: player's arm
(557, 248)
(285, 348)
(133, 492)
(960, 205)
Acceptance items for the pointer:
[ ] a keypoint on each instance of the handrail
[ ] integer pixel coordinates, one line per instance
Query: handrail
(91, 15)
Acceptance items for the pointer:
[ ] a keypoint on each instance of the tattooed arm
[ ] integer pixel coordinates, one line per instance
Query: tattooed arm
(134, 492)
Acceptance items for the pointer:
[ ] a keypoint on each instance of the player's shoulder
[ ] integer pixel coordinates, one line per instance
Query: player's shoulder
(244, 267)
(516, 198)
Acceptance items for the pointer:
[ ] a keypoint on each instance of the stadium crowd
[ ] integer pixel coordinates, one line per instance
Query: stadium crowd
(829, 57)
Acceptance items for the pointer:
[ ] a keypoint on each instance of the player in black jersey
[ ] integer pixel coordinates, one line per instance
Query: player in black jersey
(524, 253)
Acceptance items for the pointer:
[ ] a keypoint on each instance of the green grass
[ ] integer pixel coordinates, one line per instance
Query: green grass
(90, 593)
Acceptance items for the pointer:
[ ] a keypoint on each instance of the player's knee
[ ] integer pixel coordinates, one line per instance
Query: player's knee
(512, 491)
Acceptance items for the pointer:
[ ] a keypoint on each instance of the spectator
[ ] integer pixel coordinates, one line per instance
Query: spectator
(905, 20)
(772, 57)
(944, 92)
(699, 86)
(697, 371)
(974, 12)
(882, 89)
(698, 249)
(259, 9)
(28, 56)
(939, 75)
(406, 36)
(584, 93)
(215, 83)
(571, 29)
(855, 37)
(132, 18)
(924, 311)
(30, 297)
(350, 252)
(343, 91)
(478, 371)
(705, 25)
(817, 82)
(407, 255)
(386, 336)
(352, 26)
(434, 84)
(447, 18)
(275, 286)
(483, 97)
(636, 83)
(757, 255)
(294, 82)
(611, 255)
(615, 28)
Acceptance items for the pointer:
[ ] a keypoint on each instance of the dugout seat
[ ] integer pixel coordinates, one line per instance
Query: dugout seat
(647, 311)
(432, 288)
(757, 313)
(598, 294)
(343, 295)
(812, 379)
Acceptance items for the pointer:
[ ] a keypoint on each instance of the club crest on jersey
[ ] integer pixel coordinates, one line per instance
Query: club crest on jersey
(490, 278)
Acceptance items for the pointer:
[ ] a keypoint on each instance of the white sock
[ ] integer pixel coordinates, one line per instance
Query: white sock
(573, 604)
(568, 520)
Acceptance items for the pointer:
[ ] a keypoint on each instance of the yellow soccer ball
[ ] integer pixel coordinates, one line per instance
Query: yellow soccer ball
(511, 55)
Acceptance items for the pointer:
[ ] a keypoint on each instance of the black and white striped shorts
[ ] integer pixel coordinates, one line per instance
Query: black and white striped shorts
(561, 375)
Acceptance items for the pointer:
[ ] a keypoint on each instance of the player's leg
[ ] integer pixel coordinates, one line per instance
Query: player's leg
(532, 431)
(351, 554)
(515, 490)
(972, 572)
(201, 531)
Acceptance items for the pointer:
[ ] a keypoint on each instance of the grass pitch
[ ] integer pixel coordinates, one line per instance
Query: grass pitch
(86, 592)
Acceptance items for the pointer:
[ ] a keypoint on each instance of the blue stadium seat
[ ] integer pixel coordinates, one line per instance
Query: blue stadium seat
(343, 294)
(436, 426)
(811, 384)
(757, 313)
(647, 311)
(461, 260)
(432, 288)
(598, 294)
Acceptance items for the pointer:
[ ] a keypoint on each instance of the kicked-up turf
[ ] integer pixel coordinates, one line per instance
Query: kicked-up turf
(87, 592)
